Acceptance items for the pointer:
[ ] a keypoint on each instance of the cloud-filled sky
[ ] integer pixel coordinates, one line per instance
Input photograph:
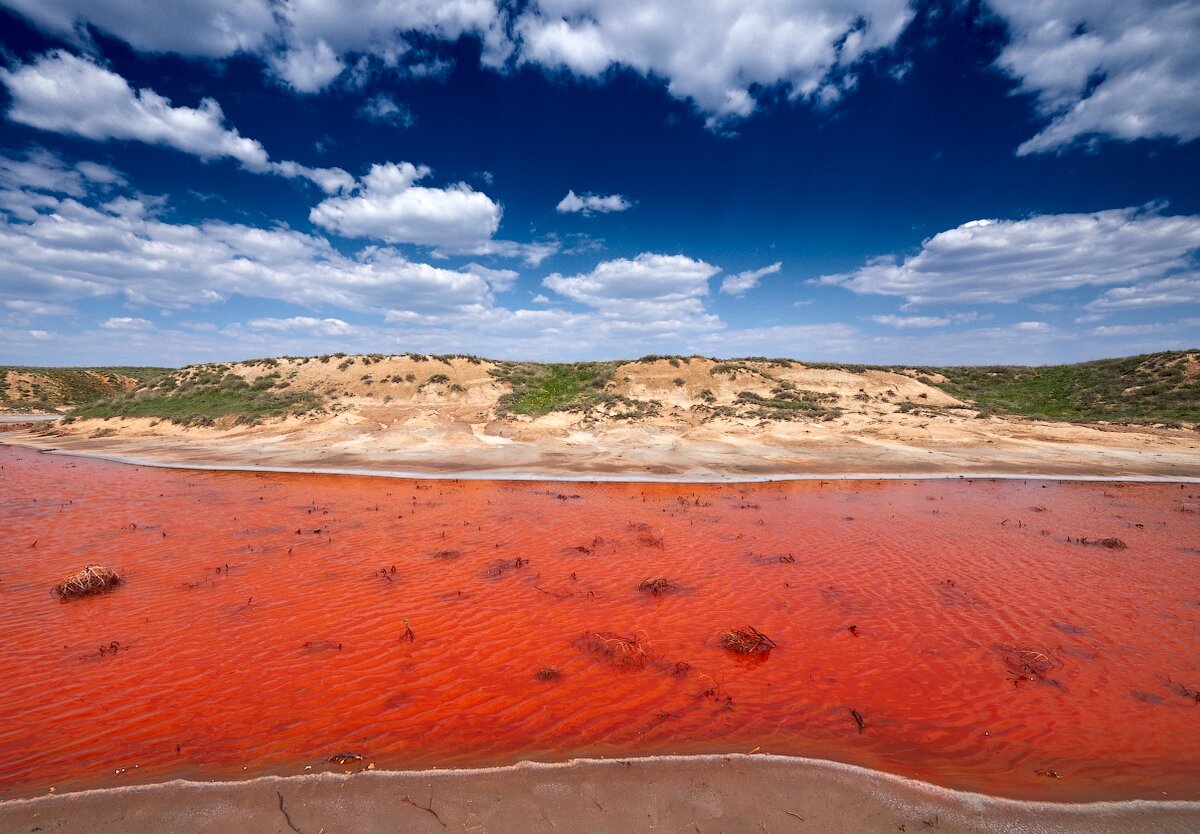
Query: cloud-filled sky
(874, 181)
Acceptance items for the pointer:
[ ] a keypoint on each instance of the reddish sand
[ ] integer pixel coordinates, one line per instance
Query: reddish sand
(260, 627)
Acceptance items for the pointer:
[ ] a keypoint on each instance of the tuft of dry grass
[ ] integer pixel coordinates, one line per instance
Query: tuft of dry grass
(93, 579)
(656, 586)
(622, 652)
(748, 640)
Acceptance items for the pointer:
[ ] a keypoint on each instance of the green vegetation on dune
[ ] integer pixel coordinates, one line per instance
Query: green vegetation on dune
(48, 389)
(1151, 388)
(201, 398)
(539, 389)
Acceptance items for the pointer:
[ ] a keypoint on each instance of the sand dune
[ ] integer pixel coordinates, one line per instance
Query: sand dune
(667, 418)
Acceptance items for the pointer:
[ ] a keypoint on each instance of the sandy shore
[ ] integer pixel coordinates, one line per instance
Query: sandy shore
(639, 455)
(371, 468)
(732, 793)
(692, 420)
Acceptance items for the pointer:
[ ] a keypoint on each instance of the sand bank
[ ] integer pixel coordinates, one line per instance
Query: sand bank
(731, 793)
(612, 460)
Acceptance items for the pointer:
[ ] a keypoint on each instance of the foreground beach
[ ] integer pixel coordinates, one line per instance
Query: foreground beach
(730, 794)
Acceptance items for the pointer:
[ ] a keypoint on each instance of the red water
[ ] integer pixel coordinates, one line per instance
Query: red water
(259, 630)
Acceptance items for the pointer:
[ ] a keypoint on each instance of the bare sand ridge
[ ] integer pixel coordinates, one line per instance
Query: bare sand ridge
(730, 794)
(440, 417)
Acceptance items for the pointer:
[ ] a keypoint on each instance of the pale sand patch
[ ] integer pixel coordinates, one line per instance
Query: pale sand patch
(726, 793)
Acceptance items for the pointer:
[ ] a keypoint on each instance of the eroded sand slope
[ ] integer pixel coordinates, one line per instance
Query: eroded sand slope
(669, 418)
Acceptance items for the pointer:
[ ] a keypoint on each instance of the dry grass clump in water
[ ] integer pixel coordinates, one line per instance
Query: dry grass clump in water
(93, 579)
(656, 586)
(748, 640)
(623, 652)
(1029, 664)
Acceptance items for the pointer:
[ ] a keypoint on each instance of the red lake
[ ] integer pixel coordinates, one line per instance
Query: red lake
(977, 629)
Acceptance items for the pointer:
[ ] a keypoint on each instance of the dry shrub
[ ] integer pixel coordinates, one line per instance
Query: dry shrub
(622, 652)
(93, 579)
(656, 586)
(1029, 664)
(748, 640)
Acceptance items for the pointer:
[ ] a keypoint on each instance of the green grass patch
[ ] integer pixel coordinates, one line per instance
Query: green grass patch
(53, 388)
(203, 402)
(540, 389)
(1151, 388)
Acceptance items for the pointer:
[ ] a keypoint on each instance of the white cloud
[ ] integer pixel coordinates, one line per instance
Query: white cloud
(306, 42)
(667, 289)
(925, 322)
(41, 170)
(500, 280)
(384, 109)
(127, 323)
(71, 251)
(206, 28)
(1125, 70)
(588, 204)
(27, 307)
(62, 93)
(1183, 288)
(387, 205)
(716, 51)
(907, 322)
(1003, 261)
(307, 68)
(1032, 327)
(39, 334)
(306, 325)
(743, 282)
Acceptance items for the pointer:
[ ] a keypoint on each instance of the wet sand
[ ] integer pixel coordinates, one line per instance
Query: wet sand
(1123, 456)
(729, 794)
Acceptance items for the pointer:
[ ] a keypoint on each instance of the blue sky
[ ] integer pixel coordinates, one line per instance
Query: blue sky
(837, 180)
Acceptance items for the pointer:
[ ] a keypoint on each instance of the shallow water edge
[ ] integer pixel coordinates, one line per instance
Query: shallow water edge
(730, 793)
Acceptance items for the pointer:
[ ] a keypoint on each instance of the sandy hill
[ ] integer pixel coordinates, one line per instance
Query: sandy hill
(60, 389)
(657, 416)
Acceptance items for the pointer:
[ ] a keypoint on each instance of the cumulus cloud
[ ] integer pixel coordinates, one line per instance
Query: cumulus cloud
(906, 322)
(717, 60)
(720, 52)
(924, 322)
(26, 307)
(500, 280)
(1183, 288)
(1004, 261)
(743, 282)
(70, 251)
(43, 170)
(648, 288)
(1124, 70)
(306, 325)
(206, 28)
(307, 68)
(588, 204)
(64, 93)
(127, 323)
(384, 109)
(388, 205)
